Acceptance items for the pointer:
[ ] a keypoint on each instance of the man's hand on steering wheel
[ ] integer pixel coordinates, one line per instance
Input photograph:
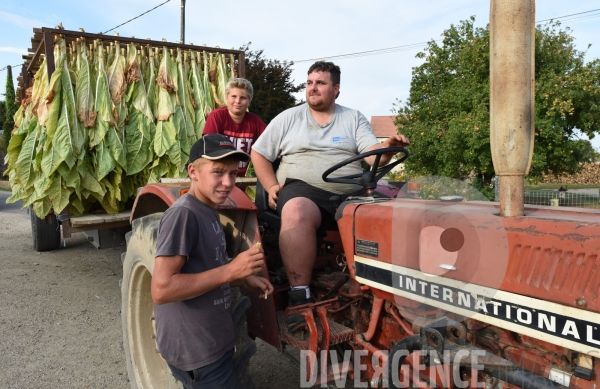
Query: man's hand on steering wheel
(395, 141)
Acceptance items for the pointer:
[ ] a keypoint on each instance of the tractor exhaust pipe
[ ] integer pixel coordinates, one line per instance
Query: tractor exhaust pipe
(512, 92)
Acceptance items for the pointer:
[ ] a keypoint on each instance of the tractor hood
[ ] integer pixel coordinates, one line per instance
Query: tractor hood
(538, 274)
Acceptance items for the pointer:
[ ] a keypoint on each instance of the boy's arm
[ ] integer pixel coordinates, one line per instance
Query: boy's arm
(169, 284)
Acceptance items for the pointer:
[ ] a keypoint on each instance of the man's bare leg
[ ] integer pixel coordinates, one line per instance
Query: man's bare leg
(300, 219)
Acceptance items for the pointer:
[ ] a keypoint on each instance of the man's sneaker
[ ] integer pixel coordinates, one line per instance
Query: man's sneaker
(298, 297)
(295, 298)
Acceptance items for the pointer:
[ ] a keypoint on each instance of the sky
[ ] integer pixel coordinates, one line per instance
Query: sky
(292, 30)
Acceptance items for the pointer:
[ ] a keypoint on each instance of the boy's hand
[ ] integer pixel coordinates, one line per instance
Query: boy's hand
(246, 264)
(259, 284)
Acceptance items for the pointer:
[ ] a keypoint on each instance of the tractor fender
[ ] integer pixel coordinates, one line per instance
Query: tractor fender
(154, 198)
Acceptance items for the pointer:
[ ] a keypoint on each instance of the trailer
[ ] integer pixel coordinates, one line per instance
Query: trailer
(102, 230)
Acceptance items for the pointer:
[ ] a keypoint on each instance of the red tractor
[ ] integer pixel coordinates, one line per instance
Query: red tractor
(442, 293)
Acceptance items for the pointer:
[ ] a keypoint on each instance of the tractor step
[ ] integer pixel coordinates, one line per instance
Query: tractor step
(299, 339)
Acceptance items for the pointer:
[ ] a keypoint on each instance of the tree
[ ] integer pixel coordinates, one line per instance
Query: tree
(3, 144)
(273, 88)
(446, 116)
(1, 113)
(9, 107)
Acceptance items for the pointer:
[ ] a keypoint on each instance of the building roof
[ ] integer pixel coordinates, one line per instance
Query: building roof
(383, 126)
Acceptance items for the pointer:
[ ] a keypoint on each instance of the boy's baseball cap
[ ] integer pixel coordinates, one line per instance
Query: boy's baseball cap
(214, 147)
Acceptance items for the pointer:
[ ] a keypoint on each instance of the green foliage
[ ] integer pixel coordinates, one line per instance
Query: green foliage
(273, 88)
(446, 116)
(9, 107)
(3, 142)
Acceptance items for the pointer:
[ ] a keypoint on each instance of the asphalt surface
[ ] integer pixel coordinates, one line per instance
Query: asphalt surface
(14, 208)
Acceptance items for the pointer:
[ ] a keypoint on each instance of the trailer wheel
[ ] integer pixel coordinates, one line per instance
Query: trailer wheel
(145, 366)
(46, 237)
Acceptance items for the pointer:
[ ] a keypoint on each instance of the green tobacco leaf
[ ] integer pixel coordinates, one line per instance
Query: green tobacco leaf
(222, 77)
(199, 96)
(183, 137)
(58, 194)
(103, 105)
(180, 149)
(84, 93)
(140, 99)
(165, 136)
(116, 76)
(39, 85)
(183, 94)
(33, 196)
(89, 182)
(76, 207)
(159, 169)
(14, 148)
(70, 176)
(115, 145)
(51, 160)
(50, 102)
(251, 192)
(167, 87)
(207, 86)
(20, 193)
(42, 207)
(151, 85)
(18, 116)
(105, 162)
(138, 146)
(63, 141)
(41, 186)
(78, 136)
(24, 164)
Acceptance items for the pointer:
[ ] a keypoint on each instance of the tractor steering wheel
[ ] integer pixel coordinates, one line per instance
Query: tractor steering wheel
(368, 179)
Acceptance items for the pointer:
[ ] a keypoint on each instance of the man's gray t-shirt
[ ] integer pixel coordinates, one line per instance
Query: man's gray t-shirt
(308, 149)
(195, 332)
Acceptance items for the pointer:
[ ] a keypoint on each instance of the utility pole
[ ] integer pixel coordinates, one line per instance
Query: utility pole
(182, 34)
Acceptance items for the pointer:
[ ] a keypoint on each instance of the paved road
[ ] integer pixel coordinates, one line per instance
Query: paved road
(14, 208)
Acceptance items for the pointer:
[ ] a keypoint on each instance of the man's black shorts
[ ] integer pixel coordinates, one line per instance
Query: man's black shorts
(298, 188)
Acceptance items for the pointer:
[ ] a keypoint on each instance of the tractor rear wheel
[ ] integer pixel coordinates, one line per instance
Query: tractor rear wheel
(145, 366)
(46, 237)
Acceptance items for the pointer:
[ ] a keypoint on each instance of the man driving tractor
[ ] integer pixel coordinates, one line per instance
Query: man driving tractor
(308, 139)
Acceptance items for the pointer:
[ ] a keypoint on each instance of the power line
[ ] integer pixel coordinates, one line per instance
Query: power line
(413, 46)
(13, 66)
(566, 16)
(371, 52)
(130, 20)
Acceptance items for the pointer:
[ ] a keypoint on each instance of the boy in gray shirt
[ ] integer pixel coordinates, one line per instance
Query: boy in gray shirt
(191, 277)
(310, 139)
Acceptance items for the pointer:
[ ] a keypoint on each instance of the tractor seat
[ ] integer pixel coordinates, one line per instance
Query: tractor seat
(267, 218)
